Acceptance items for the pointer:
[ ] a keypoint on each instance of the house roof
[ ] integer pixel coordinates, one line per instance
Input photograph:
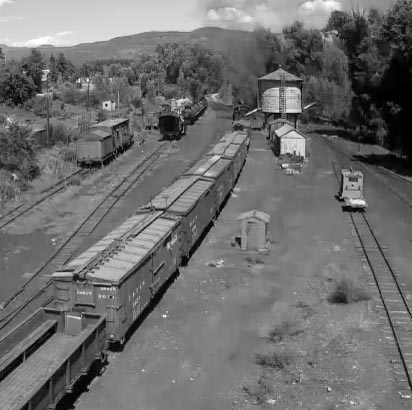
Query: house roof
(111, 123)
(255, 214)
(277, 74)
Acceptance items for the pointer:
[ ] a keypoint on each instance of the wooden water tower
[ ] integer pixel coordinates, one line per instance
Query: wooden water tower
(280, 96)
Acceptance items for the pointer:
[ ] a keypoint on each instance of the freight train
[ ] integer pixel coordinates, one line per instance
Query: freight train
(172, 126)
(100, 294)
(192, 113)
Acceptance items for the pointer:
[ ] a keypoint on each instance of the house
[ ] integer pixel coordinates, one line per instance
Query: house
(109, 105)
(254, 226)
(289, 140)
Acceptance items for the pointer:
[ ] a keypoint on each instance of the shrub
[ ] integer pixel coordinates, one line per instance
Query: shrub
(261, 391)
(347, 291)
(17, 153)
(278, 359)
(58, 133)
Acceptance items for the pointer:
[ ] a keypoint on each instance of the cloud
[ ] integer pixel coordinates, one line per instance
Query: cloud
(274, 14)
(7, 19)
(4, 2)
(55, 40)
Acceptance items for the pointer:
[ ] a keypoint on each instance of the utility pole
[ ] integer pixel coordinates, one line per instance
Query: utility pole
(88, 91)
(48, 113)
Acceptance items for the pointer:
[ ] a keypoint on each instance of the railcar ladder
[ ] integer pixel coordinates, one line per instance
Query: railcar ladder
(282, 96)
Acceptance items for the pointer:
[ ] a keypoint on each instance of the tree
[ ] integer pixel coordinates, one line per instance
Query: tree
(33, 65)
(54, 72)
(16, 88)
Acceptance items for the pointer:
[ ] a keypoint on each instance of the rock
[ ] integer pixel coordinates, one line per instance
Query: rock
(328, 389)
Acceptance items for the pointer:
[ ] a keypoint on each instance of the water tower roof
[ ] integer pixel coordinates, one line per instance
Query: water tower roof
(277, 74)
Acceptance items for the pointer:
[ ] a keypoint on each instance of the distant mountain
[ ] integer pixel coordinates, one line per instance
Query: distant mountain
(215, 38)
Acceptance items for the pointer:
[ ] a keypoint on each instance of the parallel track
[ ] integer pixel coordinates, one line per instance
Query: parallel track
(22, 209)
(401, 195)
(34, 291)
(394, 300)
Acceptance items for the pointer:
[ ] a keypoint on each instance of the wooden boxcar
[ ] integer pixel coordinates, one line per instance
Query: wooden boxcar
(201, 166)
(197, 207)
(95, 147)
(126, 277)
(44, 356)
(119, 129)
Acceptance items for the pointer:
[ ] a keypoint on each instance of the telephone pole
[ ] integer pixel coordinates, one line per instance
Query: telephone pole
(48, 113)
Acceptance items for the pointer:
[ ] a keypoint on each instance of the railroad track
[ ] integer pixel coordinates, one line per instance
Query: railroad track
(378, 174)
(396, 302)
(22, 209)
(34, 292)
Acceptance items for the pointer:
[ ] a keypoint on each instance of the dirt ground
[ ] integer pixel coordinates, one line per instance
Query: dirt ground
(238, 330)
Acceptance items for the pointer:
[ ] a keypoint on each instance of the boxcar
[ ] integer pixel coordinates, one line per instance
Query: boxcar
(196, 206)
(124, 279)
(132, 225)
(201, 166)
(119, 129)
(223, 176)
(97, 146)
(44, 356)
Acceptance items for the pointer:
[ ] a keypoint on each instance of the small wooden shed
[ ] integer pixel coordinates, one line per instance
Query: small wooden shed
(288, 140)
(254, 225)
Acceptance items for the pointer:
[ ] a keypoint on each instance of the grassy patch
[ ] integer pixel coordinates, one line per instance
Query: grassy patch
(278, 359)
(346, 291)
(260, 392)
(287, 325)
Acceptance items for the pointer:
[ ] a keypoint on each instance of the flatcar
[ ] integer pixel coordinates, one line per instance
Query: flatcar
(351, 190)
(172, 126)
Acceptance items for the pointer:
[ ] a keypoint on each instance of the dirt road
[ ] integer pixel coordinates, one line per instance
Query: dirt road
(196, 349)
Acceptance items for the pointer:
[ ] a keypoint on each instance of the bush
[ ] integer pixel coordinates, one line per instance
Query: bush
(17, 153)
(59, 133)
(260, 392)
(348, 291)
(278, 359)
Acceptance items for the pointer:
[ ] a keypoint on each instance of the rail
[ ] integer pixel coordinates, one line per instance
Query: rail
(22, 209)
(394, 301)
(32, 290)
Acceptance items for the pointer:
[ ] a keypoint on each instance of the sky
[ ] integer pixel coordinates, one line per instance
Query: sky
(67, 22)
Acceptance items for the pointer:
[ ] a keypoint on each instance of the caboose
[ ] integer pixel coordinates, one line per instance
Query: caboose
(351, 189)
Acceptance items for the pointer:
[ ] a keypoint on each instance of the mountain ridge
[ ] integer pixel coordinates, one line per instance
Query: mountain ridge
(128, 47)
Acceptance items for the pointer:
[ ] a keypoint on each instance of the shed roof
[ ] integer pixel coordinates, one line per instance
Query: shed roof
(276, 76)
(38, 128)
(255, 214)
(291, 133)
(253, 112)
(111, 123)
(284, 129)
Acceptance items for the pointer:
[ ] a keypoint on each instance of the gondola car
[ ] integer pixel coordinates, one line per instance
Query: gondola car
(172, 126)
(351, 190)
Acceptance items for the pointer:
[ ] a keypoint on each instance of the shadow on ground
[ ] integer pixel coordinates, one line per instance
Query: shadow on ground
(388, 161)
